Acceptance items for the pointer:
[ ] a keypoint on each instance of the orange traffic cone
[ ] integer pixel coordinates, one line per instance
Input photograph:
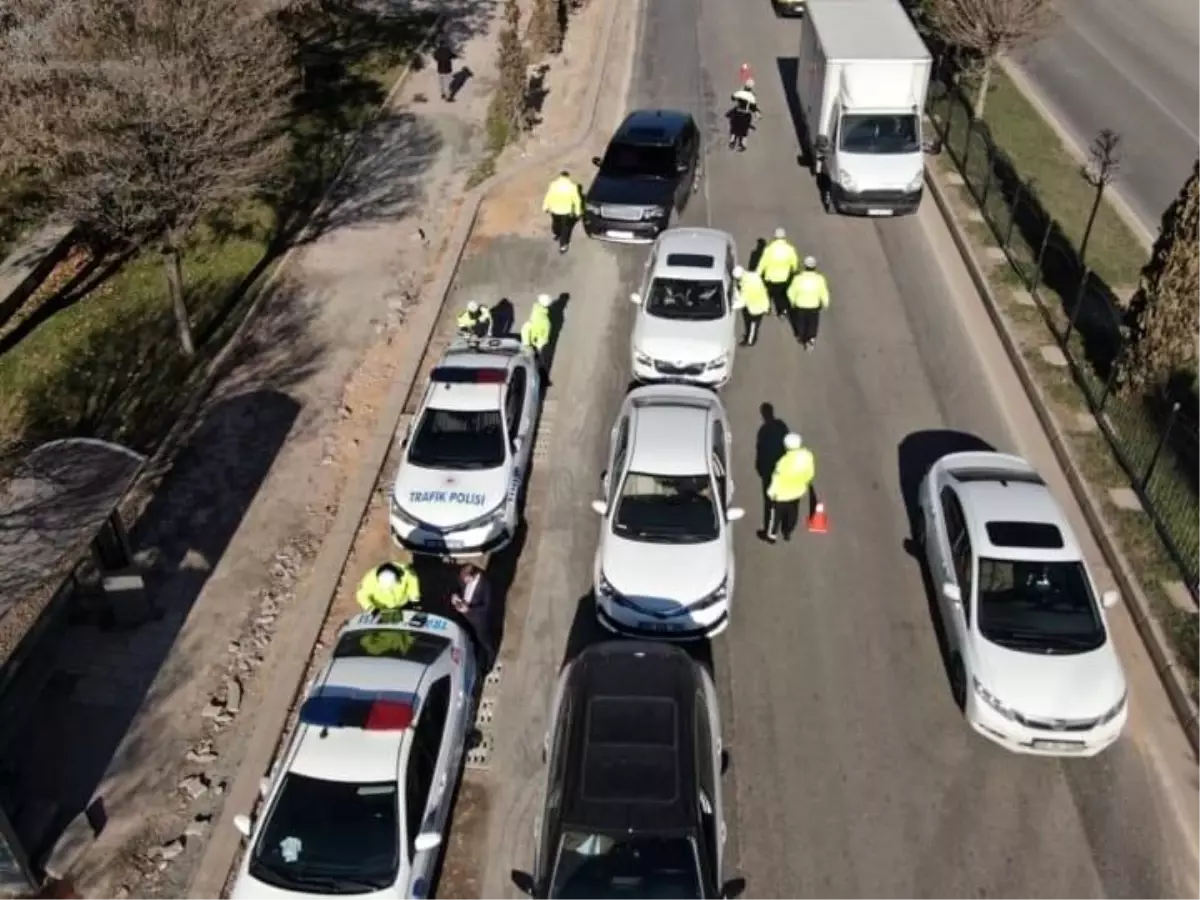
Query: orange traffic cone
(818, 522)
(745, 73)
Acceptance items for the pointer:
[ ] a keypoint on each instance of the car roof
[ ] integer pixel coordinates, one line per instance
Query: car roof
(631, 762)
(674, 246)
(465, 355)
(1017, 501)
(669, 427)
(652, 127)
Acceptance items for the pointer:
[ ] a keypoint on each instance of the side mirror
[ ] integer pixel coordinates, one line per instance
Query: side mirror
(523, 882)
(635, 298)
(427, 840)
(264, 785)
(821, 144)
(734, 514)
(242, 823)
(724, 761)
(596, 160)
(951, 592)
(932, 146)
(734, 888)
(1109, 599)
(600, 507)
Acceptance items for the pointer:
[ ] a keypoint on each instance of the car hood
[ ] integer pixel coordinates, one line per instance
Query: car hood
(446, 499)
(681, 341)
(1074, 686)
(631, 191)
(661, 576)
(881, 171)
(248, 887)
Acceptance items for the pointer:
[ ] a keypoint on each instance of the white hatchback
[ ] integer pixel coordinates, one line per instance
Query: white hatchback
(664, 568)
(686, 328)
(1031, 660)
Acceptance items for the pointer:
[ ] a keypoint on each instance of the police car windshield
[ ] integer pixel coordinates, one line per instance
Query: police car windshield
(1038, 607)
(641, 866)
(638, 161)
(697, 301)
(330, 837)
(668, 509)
(459, 439)
(879, 134)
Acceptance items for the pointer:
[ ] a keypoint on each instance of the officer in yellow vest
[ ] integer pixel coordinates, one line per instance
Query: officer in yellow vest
(807, 295)
(756, 302)
(535, 333)
(389, 587)
(790, 481)
(564, 203)
(475, 321)
(777, 265)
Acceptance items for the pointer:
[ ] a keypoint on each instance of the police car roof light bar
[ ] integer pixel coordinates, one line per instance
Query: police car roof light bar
(464, 375)
(367, 713)
(388, 715)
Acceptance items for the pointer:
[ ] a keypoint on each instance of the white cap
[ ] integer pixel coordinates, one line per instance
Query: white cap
(472, 306)
(780, 233)
(749, 82)
(810, 262)
(792, 442)
(544, 300)
(387, 577)
(738, 271)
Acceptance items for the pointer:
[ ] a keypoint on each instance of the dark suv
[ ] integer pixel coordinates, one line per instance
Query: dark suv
(633, 794)
(651, 168)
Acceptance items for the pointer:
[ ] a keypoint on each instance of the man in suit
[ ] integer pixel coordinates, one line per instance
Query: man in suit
(473, 601)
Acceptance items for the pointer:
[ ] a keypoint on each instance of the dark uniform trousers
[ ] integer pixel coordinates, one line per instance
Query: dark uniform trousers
(777, 291)
(751, 321)
(805, 323)
(562, 226)
(782, 516)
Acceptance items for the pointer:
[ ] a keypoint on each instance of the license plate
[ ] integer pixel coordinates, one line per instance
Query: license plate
(1067, 746)
(879, 212)
(663, 626)
(621, 235)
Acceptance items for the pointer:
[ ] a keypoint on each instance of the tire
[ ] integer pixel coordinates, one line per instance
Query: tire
(958, 682)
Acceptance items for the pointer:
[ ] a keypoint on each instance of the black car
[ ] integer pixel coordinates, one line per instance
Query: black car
(650, 169)
(633, 795)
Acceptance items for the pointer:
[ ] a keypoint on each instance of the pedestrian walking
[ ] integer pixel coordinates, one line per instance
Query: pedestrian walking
(777, 265)
(756, 303)
(535, 333)
(473, 601)
(807, 295)
(791, 479)
(741, 116)
(564, 203)
(443, 57)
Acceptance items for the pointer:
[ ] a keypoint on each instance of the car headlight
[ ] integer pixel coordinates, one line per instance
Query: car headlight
(990, 700)
(1115, 711)
(480, 521)
(719, 363)
(917, 183)
(718, 596)
(642, 359)
(847, 181)
(400, 513)
(653, 212)
(593, 208)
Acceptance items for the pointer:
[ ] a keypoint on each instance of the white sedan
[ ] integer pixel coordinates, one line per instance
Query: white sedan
(360, 799)
(467, 452)
(1031, 660)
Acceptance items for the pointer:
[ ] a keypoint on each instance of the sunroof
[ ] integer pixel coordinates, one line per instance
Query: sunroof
(690, 260)
(631, 720)
(1033, 535)
(631, 753)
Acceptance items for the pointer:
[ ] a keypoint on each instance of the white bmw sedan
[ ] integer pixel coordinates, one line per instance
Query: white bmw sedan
(1032, 663)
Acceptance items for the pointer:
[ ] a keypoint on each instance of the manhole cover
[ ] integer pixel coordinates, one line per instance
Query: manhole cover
(480, 756)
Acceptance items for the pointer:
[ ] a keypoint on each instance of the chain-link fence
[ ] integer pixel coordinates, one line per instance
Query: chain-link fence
(1154, 438)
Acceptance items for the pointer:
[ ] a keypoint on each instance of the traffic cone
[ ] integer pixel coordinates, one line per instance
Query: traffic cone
(745, 73)
(818, 522)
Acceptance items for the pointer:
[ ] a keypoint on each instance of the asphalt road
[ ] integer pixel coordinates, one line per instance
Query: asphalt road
(1130, 67)
(853, 773)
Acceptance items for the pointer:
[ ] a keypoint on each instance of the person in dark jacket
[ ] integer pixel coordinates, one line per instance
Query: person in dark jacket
(443, 57)
(473, 601)
(741, 116)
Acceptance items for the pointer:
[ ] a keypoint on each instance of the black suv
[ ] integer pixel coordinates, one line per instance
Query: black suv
(651, 168)
(633, 794)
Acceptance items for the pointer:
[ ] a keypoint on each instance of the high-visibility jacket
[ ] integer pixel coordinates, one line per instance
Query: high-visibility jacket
(809, 290)
(792, 476)
(475, 321)
(779, 261)
(562, 198)
(535, 332)
(754, 294)
(373, 596)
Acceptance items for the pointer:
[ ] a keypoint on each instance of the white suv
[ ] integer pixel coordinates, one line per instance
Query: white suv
(685, 328)
(664, 567)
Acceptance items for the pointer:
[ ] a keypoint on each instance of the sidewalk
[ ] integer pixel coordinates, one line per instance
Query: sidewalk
(157, 716)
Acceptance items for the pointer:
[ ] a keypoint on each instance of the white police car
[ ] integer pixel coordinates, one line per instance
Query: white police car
(467, 451)
(359, 801)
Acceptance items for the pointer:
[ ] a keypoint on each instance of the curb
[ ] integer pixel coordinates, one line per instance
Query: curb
(1138, 604)
(290, 657)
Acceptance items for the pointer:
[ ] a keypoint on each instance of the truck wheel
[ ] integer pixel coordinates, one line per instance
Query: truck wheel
(827, 197)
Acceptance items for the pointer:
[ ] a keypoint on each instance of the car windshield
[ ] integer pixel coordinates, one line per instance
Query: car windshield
(330, 837)
(638, 161)
(459, 439)
(597, 865)
(1038, 607)
(669, 509)
(880, 134)
(697, 301)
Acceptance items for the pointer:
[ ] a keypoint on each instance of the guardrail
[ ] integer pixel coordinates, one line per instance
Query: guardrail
(1154, 438)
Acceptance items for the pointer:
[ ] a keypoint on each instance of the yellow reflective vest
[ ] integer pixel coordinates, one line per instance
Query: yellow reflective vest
(472, 321)
(535, 332)
(373, 596)
(562, 198)
(808, 290)
(754, 294)
(779, 261)
(792, 476)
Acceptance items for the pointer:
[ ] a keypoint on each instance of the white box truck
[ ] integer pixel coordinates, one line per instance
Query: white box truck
(862, 75)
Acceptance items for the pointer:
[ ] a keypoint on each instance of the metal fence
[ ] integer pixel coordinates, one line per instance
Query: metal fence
(1154, 438)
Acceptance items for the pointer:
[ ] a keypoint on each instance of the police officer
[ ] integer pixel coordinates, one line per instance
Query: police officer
(777, 265)
(756, 303)
(389, 587)
(535, 333)
(745, 108)
(564, 202)
(475, 321)
(807, 295)
(790, 481)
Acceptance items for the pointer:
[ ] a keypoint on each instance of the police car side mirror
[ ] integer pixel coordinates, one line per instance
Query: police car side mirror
(242, 823)
(635, 298)
(951, 592)
(600, 507)
(427, 840)
(1109, 599)
(735, 513)
(264, 785)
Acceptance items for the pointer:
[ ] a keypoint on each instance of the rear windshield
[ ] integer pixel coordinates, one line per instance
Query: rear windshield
(391, 643)
(634, 866)
(458, 439)
(698, 301)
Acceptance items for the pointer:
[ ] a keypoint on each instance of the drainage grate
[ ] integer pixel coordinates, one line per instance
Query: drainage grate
(480, 756)
(485, 713)
(493, 677)
(541, 446)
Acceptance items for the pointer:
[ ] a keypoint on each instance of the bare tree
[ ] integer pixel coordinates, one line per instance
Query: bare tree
(1104, 161)
(146, 114)
(988, 29)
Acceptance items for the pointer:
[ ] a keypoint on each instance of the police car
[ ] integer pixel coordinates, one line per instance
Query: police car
(359, 801)
(467, 451)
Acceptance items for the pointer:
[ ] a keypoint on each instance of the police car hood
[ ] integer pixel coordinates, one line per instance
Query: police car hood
(249, 888)
(659, 577)
(683, 340)
(445, 499)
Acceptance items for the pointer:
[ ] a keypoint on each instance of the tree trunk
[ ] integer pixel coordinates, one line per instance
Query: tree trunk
(174, 263)
(985, 82)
